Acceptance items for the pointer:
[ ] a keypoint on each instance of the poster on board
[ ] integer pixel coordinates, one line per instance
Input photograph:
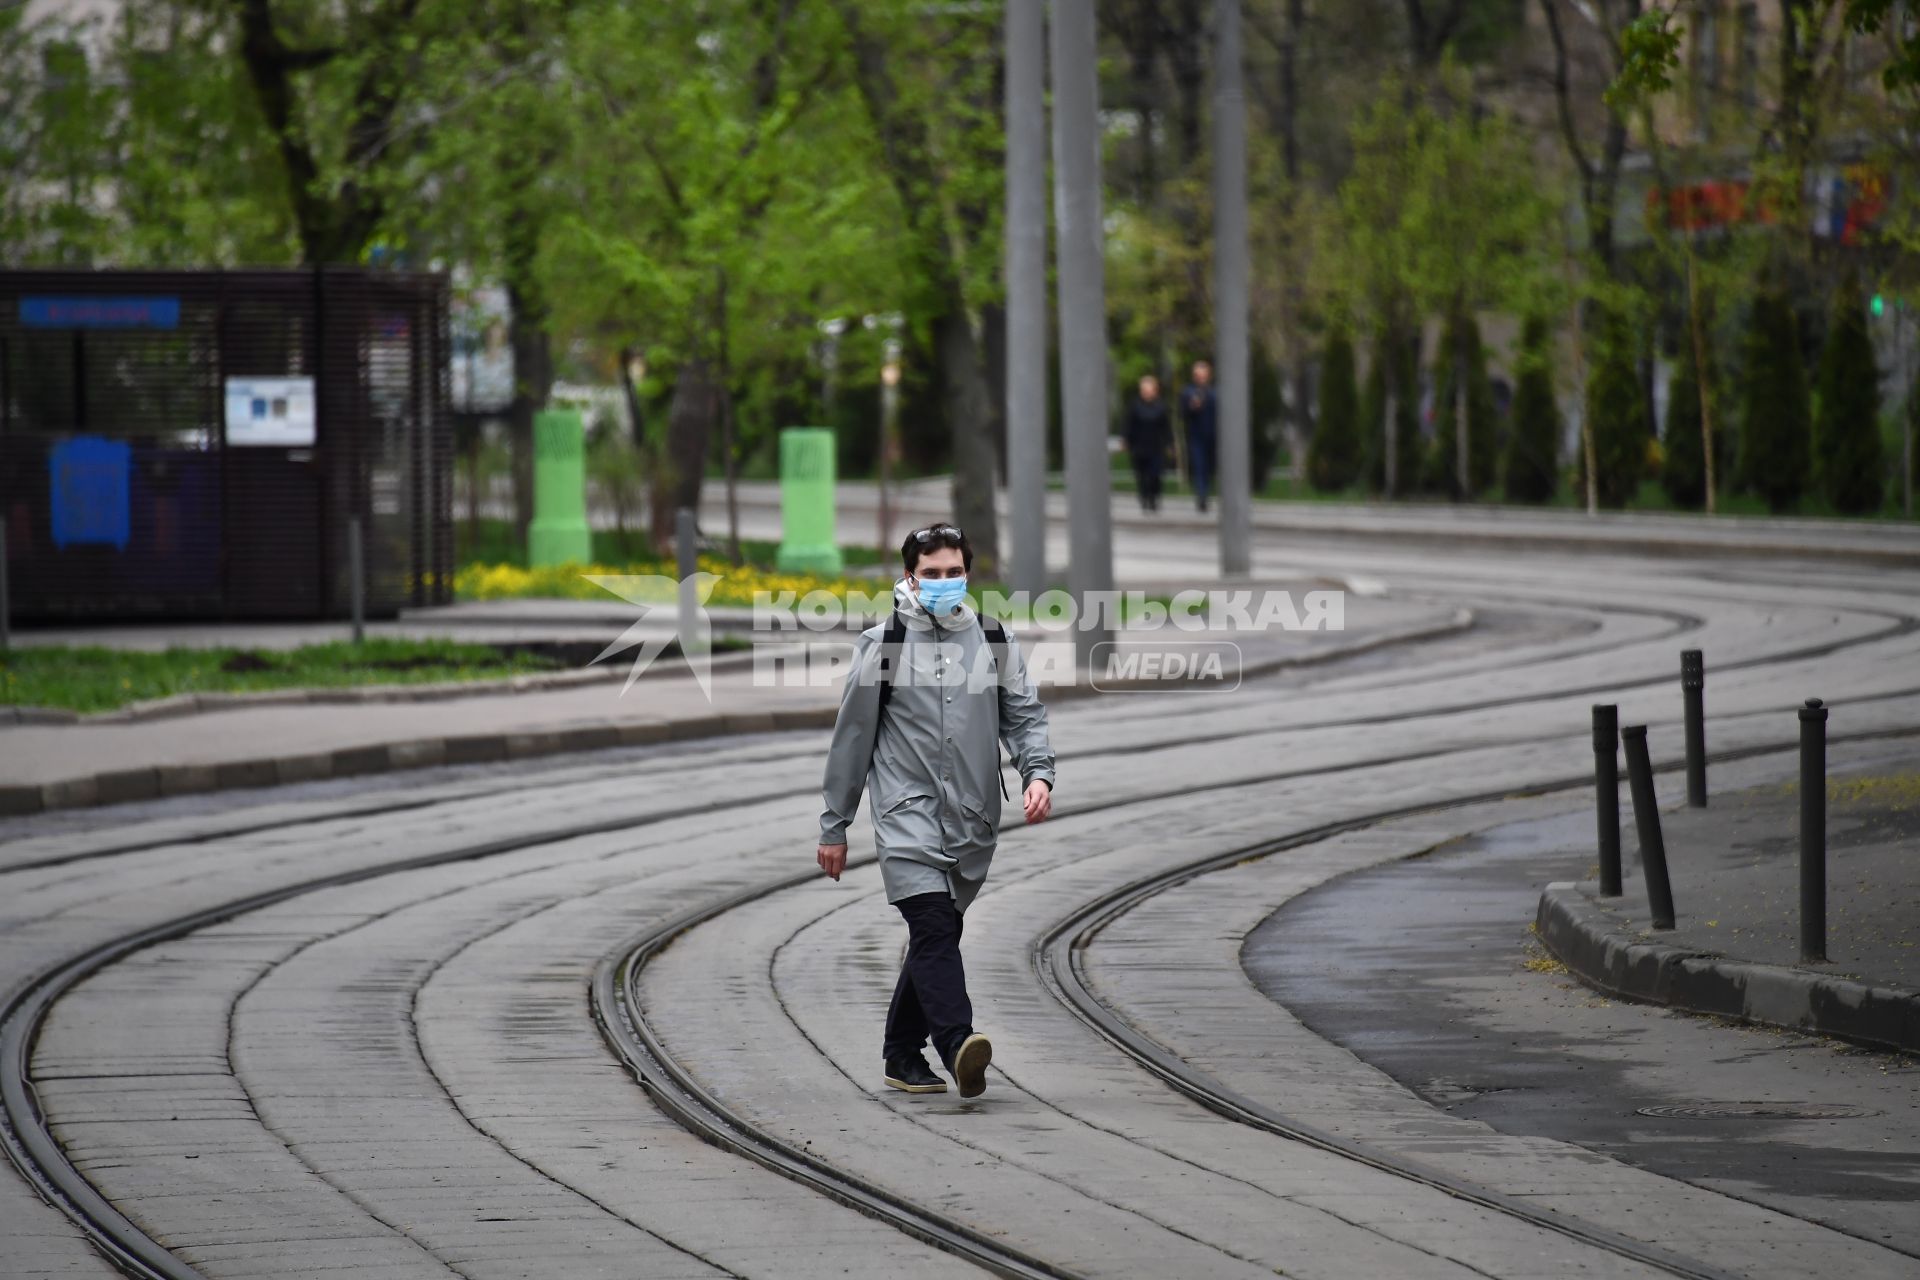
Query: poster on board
(270, 411)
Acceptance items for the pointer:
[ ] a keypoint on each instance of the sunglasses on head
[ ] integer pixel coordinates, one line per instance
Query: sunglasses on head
(934, 530)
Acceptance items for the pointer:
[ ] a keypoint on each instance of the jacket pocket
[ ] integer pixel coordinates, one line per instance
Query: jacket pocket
(980, 824)
(909, 823)
(900, 799)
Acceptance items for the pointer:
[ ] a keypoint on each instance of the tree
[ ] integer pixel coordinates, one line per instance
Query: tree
(1598, 166)
(1846, 430)
(1443, 211)
(1616, 409)
(717, 198)
(928, 88)
(1683, 468)
(1269, 414)
(340, 91)
(1460, 350)
(1390, 389)
(1774, 446)
(1533, 441)
(1333, 460)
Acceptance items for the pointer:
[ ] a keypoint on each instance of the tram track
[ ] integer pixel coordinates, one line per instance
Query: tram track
(617, 1010)
(37, 1153)
(1899, 625)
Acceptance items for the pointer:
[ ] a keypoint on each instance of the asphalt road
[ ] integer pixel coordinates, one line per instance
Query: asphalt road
(1426, 970)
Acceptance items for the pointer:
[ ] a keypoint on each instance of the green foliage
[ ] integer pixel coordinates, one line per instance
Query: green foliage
(1775, 427)
(1616, 410)
(1897, 17)
(1333, 460)
(1683, 471)
(1443, 211)
(1846, 430)
(1533, 443)
(1393, 367)
(1649, 55)
(1459, 340)
(1268, 408)
(99, 679)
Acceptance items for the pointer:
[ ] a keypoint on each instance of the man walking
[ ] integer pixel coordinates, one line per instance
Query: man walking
(932, 692)
(1149, 440)
(1197, 411)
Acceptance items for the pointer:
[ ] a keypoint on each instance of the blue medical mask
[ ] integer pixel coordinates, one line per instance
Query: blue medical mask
(939, 595)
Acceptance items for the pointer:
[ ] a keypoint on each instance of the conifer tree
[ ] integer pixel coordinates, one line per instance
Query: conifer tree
(1617, 410)
(1775, 429)
(1846, 432)
(1333, 460)
(1460, 343)
(1533, 442)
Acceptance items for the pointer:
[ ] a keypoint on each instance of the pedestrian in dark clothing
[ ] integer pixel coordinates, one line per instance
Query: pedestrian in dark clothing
(1197, 411)
(1149, 441)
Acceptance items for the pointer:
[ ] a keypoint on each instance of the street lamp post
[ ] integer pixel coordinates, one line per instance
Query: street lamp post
(1026, 284)
(1083, 314)
(1231, 271)
(830, 331)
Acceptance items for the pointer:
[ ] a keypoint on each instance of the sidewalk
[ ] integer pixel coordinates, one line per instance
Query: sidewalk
(1734, 867)
(275, 741)
(1880, 542)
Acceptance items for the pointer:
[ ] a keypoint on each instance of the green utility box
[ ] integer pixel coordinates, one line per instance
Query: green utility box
(807, 541)
(559, 533)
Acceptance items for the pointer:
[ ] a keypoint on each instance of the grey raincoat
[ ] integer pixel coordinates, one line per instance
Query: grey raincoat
(932, 763)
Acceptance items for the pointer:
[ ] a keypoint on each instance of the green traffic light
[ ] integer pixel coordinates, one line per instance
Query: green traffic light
(1879, 305)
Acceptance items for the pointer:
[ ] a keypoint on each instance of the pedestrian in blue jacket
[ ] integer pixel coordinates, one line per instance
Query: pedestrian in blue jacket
(1197, 411)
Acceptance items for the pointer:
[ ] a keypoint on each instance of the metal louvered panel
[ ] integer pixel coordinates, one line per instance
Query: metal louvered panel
(122, 493)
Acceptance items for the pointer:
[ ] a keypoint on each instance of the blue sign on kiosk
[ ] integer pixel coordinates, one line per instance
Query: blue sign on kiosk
(100, 313)
(88, 484)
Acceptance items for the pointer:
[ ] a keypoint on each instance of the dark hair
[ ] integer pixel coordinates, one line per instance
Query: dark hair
(932, 538)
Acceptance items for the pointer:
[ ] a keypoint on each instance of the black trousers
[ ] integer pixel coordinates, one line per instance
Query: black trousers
(930, 999)
(1146, 478)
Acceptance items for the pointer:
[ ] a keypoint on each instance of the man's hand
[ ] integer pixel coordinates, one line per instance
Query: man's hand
(1038, 800)
(832, 859)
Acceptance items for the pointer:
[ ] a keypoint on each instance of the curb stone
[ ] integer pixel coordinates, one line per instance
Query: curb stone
(122, 786)
(1595, 946)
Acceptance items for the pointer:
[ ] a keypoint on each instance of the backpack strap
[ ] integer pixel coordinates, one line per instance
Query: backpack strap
(892, 641)
(996, 636)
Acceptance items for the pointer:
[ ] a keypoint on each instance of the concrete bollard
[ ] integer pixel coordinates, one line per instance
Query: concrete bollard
(1646, 819)
(1693, 684)
(1606, 794)
(1813, 833)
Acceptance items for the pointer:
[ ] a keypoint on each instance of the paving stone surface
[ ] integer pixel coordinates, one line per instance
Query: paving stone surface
(398, 1075)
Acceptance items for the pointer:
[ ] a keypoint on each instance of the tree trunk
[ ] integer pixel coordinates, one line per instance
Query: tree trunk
(723, 403)
(993, 333)
(690, 419)
(1294, 337)
(630, 390)
(532, 384)
(1462, 404)
(1697, 324)
(970, 417)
